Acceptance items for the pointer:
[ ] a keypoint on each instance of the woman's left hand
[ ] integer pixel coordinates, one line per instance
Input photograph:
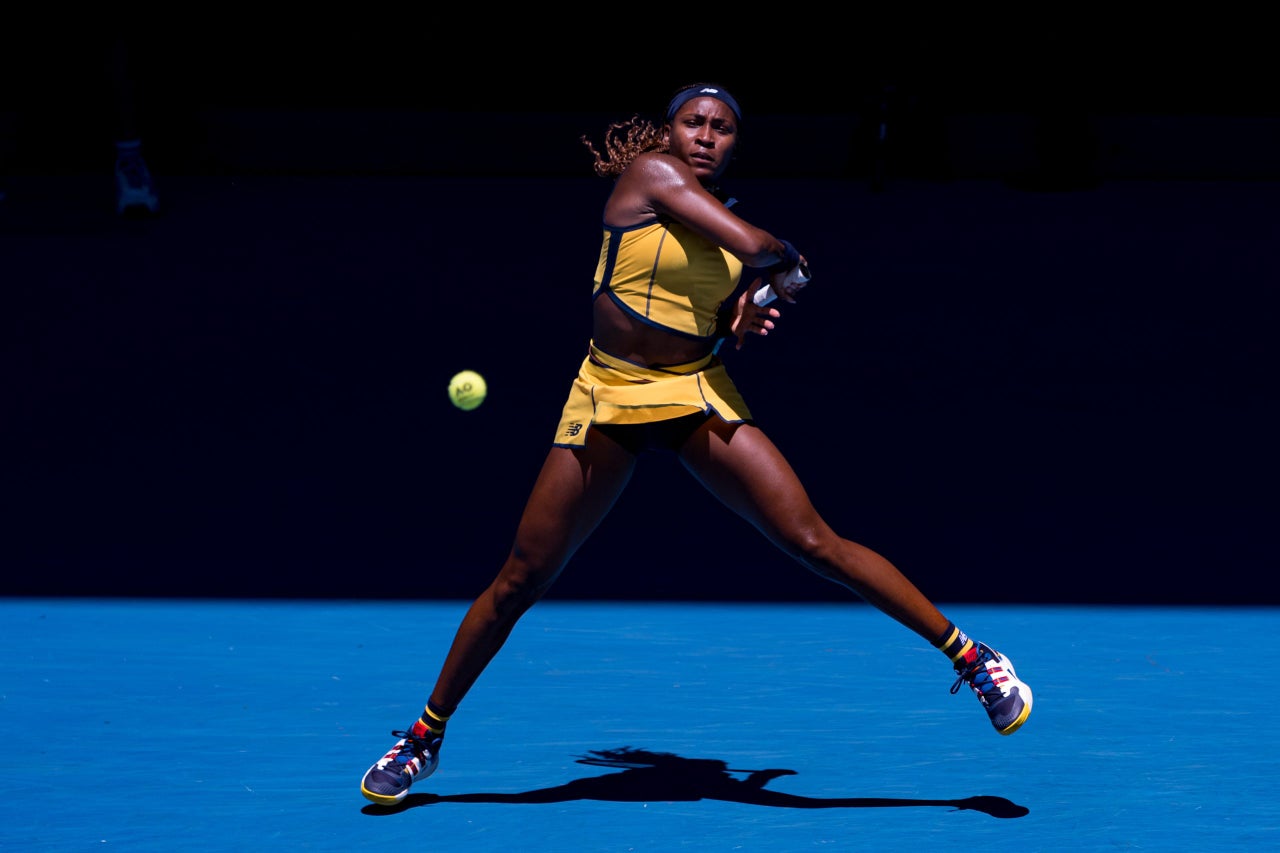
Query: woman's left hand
(751, 318)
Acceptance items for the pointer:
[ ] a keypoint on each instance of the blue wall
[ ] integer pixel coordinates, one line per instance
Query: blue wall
(1014, 395)
(1018, 380)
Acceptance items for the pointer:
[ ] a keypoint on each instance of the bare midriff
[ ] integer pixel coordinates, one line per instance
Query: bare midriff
(620, 334)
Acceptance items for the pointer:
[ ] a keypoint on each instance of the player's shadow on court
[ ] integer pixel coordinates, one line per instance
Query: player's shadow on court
(666, 777)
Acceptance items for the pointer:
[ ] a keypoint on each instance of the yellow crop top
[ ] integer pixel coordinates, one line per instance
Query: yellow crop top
(667, 276)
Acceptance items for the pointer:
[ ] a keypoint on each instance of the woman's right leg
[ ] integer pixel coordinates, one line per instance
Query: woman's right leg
(572, 494)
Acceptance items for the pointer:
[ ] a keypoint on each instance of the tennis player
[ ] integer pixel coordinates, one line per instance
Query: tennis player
(670, 264)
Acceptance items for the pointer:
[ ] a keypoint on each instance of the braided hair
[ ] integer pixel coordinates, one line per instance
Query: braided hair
(623, 142)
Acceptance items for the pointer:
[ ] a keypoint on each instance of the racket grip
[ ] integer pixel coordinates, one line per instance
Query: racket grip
(764, 296)
(798, 278)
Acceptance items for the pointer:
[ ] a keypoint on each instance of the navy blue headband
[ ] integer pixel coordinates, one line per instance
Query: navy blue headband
(692, 92)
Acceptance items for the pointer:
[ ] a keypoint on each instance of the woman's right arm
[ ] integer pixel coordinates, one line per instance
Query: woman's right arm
(661, 184)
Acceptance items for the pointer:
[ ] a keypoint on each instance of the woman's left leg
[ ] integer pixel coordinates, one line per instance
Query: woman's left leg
(742, 467)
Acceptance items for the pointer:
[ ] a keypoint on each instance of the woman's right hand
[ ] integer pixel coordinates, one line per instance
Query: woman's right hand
(784, 285)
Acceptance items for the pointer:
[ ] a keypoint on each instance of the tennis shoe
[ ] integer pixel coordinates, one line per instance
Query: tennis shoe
(991, 677)
(415, 756)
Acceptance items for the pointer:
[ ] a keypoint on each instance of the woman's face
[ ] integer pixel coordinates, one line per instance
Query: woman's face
(703, 133)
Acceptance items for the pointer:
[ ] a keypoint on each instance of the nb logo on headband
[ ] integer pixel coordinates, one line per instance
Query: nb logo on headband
(694, 91)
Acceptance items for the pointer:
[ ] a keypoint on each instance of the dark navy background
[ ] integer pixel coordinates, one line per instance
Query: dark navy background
(1037, 362)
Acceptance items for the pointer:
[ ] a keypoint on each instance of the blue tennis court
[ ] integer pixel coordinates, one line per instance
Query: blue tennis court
(219, 725)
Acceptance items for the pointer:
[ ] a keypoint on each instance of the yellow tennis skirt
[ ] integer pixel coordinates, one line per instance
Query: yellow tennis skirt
(610, 390)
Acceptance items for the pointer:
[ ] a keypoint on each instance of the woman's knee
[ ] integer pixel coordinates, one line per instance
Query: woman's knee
(520, 585)
(815, 545)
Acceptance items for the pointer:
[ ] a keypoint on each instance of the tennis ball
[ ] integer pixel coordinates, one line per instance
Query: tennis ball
(467, 389)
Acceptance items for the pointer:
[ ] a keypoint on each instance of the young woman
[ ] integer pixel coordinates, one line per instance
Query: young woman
(672, 256)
